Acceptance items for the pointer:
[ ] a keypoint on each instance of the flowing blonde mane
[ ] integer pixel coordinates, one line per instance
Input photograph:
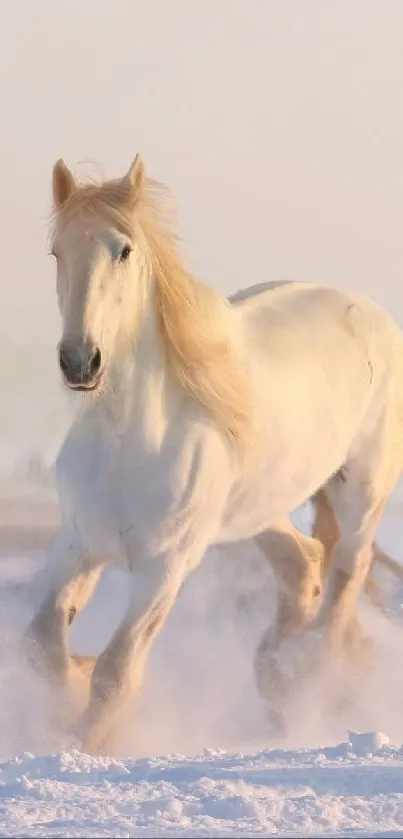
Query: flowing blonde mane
(194, 320)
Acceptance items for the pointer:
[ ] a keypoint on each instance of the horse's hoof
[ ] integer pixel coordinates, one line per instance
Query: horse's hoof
(280, 673)
(277, 723)
(303, 655)
(93, 741)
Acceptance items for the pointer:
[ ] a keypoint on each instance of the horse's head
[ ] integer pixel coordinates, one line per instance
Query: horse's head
(99, 264)
(120, 276)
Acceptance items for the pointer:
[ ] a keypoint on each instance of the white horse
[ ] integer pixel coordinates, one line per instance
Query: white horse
(206, 421)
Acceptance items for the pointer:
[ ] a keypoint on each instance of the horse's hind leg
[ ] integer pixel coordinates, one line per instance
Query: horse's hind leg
(324, 526)
(326, 529)
(296, 561)
(357, 499)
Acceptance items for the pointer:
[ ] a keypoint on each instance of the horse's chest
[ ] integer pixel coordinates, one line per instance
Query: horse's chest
(97, 484)
(116, 494)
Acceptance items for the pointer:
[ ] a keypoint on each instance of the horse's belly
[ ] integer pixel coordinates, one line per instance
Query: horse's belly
(247, 515)
(305, 440)
(280, 486)
(244, 520)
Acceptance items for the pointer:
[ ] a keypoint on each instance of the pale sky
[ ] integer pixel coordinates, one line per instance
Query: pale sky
(278, 125)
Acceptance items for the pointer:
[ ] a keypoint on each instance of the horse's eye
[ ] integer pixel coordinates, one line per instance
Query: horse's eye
(124, 256)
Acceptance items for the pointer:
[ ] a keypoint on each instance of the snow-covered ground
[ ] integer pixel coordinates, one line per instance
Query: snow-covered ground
(323, 792)
(197, 758)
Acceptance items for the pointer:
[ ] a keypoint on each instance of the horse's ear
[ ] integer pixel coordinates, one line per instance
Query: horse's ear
(63, 183)
(135, 177)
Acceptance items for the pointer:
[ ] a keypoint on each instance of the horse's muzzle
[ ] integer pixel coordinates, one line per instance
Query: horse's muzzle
(81, 365)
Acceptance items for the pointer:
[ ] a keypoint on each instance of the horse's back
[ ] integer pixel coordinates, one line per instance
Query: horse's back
(308, 316)
(246, 294)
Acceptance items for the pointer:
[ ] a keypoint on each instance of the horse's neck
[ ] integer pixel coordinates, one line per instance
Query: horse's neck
(141, 390)
(146, 390)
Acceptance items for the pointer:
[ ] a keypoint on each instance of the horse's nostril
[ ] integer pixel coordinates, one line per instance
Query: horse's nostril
(95, 362)
(62, 360)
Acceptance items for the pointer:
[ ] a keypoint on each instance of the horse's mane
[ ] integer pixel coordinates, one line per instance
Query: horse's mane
(194, 319)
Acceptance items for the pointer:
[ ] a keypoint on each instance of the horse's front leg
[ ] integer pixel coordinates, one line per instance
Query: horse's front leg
(119, 670)
(71, 577)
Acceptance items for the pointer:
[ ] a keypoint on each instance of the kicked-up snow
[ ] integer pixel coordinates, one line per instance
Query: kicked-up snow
(198, 758)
